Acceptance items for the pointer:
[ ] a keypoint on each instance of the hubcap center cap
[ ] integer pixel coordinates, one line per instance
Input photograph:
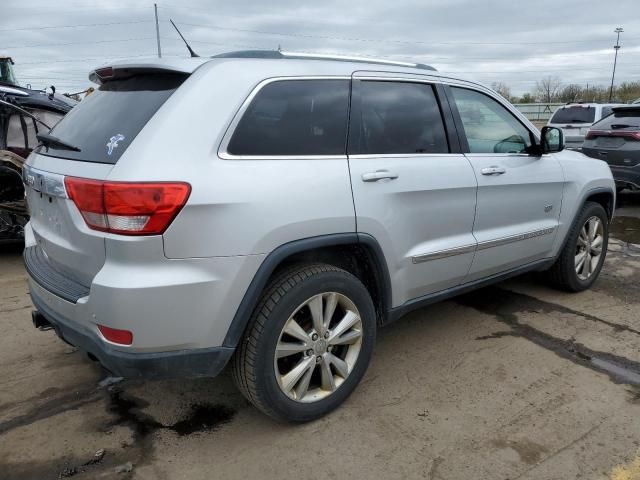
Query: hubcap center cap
(320, 346)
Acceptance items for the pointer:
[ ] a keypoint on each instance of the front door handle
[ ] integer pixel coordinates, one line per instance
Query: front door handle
(379, 175)
(493, 170)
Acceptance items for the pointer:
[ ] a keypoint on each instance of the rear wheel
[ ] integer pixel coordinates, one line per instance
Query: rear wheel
(308, 343)
(583, 255)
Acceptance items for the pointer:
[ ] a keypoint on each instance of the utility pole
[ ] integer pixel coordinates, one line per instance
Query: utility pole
(616, 47)
(155, 9)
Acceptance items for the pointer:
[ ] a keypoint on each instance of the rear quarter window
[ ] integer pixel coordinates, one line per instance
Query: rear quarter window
(620, 119)
(294, 117)
(105, 123)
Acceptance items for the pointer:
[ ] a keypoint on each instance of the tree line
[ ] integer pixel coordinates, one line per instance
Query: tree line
(551, 89)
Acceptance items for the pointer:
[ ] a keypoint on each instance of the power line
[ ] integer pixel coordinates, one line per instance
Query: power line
(104, 59)
(371, 40)
(79, 43)
(77, 25)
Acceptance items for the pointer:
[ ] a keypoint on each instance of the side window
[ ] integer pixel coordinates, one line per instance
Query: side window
(489, 127)
(398, 117)
(295, 117)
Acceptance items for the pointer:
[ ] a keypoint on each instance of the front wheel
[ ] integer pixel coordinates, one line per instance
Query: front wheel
(308, 343)
(583, 255)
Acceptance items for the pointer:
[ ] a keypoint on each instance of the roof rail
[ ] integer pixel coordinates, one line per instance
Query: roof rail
(348, 58)
(318, 56)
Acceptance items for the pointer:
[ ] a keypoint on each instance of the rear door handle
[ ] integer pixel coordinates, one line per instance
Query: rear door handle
(379, 175)
(493, 170)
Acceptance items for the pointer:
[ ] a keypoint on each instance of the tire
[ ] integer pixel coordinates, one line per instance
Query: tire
(563, 274)
(261, 377)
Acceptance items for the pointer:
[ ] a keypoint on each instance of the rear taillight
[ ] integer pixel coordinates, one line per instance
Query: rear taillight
(591, 134)
(127, 208)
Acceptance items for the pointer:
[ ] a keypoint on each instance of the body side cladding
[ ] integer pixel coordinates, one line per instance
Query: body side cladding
(282, 253)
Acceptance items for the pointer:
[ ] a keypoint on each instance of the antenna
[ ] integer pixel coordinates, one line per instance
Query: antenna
(193, 54)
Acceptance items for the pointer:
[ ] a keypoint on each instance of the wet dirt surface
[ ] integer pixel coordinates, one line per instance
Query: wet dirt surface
(514, 381)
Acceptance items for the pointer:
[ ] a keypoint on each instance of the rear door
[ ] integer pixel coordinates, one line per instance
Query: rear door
(413, 189)
(100, 129)
(519, 195)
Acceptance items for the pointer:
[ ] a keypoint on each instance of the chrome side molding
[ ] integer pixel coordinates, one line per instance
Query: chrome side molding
(450, 252)
(515, 238)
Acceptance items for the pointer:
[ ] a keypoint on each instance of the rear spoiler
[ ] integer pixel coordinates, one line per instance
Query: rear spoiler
(627, 108)
(126, 69)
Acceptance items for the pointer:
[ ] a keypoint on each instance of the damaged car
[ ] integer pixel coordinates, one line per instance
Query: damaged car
(24, 114)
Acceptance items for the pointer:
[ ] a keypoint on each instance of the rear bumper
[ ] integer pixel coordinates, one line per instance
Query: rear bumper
(626, 176)
(202, 362)
(574, 141)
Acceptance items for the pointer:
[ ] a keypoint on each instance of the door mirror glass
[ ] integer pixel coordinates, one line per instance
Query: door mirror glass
(552, 140)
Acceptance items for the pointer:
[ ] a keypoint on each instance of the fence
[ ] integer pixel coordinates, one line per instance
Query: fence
(538, 112)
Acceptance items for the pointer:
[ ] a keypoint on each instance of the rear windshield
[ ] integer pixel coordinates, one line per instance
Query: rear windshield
(105, 123)
(577, 114)
(629, 119)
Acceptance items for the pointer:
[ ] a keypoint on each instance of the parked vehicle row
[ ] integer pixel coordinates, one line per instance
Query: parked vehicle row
(272, 210)
(575, 119)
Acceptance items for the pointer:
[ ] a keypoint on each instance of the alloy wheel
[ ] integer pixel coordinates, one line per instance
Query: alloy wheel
(318, 347)
(589, 248)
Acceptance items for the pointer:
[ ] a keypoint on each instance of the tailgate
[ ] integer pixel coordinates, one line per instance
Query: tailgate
(69, 246)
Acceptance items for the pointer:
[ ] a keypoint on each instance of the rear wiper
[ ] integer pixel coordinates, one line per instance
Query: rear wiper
(50, 141)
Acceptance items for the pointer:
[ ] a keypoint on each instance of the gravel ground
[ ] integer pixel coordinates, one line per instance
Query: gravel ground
(515, 381)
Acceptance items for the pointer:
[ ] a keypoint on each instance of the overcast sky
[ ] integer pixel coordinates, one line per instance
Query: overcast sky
(517, 42)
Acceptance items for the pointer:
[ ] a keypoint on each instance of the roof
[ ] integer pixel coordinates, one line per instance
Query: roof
(190, 64)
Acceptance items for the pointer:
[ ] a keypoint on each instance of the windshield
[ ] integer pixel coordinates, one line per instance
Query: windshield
(574, 114)
(105, 123)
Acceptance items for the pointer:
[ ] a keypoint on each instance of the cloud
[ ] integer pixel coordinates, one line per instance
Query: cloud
(491, 40)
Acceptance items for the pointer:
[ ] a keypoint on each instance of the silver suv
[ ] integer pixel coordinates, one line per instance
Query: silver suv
(272, 210)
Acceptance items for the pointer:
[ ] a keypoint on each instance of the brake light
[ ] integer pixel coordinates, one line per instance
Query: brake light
(591, 134)
(115, 335)
(127, 208)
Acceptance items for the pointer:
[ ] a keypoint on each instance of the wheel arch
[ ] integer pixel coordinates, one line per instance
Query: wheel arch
(604, 197)
(359, 254)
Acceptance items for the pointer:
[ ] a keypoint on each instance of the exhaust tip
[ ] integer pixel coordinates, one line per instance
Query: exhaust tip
(40, 322)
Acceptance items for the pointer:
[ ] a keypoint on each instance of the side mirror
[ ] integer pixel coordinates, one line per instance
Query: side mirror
(551, 139)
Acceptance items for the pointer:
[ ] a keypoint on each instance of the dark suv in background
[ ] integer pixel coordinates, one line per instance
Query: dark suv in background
(616, 140)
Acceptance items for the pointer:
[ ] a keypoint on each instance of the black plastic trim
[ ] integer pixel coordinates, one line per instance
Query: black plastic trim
(201, 362)
(596, 191)
(275, 258)
(398, 312)
(449, 120)
(43, 273)
(457, 120)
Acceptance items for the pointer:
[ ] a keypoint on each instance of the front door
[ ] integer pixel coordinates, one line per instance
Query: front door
(414, 192)
(519, 195)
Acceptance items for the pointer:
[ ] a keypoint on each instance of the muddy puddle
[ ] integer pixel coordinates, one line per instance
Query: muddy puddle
(626, 229)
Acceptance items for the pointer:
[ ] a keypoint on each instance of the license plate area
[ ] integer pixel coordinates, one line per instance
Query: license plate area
(609, 142)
